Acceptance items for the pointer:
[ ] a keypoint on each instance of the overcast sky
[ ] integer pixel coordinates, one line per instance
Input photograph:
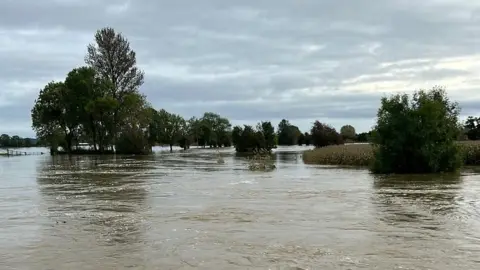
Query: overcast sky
(250, 60)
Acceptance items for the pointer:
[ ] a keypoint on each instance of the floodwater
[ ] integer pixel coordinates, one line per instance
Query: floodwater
(185, 211)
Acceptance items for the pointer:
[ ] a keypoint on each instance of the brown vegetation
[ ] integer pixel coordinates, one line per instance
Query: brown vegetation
(362, 154)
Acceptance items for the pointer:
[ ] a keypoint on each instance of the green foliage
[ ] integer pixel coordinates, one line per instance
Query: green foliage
(17, 141)
(348, 132)
(472, 128)
(171, 128)
(324, 135)
(288, 134)
(305, 139)
(364, 137)
(98, 104)
(215, 131)
(249, 140)
(417, 135)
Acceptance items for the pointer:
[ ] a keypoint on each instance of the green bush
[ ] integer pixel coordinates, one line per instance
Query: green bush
(324, 135)
(417, 135)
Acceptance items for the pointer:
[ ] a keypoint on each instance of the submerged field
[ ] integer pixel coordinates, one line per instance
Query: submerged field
(361, 154)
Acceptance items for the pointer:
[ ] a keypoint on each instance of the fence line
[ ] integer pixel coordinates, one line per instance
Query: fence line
(9, 152)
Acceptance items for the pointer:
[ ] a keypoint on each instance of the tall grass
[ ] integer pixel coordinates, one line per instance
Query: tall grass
(362, 154)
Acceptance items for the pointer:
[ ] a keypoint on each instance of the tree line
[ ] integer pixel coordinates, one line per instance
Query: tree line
(7, 141)
(99, 104)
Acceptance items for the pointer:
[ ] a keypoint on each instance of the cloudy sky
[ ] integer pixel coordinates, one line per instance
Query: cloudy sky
(251, 60)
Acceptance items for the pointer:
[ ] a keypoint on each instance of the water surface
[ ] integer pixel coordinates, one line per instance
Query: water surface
(185, 211)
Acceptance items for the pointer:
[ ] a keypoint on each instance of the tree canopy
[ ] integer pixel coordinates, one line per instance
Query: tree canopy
(17, 141)
(348, 132)
(417, 135)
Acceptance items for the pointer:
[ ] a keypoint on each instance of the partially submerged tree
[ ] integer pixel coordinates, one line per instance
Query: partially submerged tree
(249, 140)
(472, 128)
(324, 135)
(50, 117)
(115, 62)
(171, 128)
(348, 132)
(288, 134)
(417, 135)
(97, 104)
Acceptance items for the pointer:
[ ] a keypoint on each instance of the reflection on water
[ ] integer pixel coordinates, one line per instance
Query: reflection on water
(418, 197)
(182, 210)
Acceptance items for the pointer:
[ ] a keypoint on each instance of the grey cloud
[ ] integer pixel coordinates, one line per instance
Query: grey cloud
(225, 55)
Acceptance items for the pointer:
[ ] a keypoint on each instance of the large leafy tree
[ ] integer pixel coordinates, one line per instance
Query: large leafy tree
(288, 134)
(472, 128)
(417, 135)
(171, 129)
(50, 115)
(134, 131)
(348, 132)
(115, 62)
(215, 130)
(248, 139)
(85, 88)
(324, 135)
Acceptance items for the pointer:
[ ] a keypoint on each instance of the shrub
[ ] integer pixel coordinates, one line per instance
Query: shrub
(248, 139)
(324, 135)
(261, 161)
(417, 135)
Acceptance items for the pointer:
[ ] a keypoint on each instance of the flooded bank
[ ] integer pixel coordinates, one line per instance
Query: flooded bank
(186, 211)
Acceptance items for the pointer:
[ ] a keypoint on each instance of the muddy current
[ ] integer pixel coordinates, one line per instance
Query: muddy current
(183, 210)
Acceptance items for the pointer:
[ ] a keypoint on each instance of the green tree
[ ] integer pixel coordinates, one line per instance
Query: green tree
(284, 136)
(134, 131)
(363, 137)
(215, 130)
(288, 134)
(27, 142)
(171, 128)
(194, 129)
(49, 119)
(115, 62)
(417, 135)
(268, 133)
(248, 139)
(101, 112)
(324, 135)
(472, 128)
(348, 132)
(307, 138)
(4, 140)
(85, 89)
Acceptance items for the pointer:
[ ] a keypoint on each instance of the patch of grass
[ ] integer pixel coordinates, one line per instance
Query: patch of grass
(362, 154)
(347, 154)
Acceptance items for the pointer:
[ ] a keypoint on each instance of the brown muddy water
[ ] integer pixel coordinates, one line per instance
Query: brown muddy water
(185, 211)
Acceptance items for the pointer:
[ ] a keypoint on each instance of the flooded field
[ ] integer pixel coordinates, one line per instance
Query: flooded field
(185, 211)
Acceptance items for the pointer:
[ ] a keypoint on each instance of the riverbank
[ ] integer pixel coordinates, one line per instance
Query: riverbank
(361, 154)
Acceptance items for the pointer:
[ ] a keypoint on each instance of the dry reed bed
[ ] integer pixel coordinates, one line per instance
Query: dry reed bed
(362, 154)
